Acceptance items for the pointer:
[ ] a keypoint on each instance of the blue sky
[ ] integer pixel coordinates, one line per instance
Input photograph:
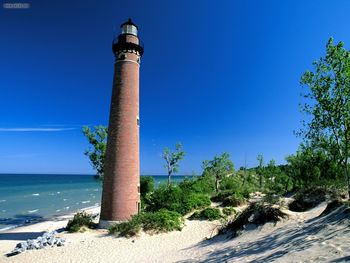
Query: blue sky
(216, 75)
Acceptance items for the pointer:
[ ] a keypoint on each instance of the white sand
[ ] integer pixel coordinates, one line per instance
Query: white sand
(303, 238)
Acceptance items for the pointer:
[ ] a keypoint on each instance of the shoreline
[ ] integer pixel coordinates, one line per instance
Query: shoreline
(303, 237)
(51, 218)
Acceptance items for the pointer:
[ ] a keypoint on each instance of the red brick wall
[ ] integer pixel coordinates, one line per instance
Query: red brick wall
(120, 196)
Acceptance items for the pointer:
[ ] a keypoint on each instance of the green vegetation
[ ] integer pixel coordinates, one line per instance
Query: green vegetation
(307, 198)
(227, 211)
(219, 167)
(209, 213)
(97, 137)
(146, 185)
(172, 160)
(257, 213)
(152, 222)
(175, 198)
(328, 106)
(79, 222)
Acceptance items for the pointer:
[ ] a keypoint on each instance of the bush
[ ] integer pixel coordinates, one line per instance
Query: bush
(307, 198)
(271, 199)
(230, 183)
(127, 229)
(228, 211)
(209, 213)
(79, 221)
(196, 201)
(161, 221)
(200, 184)
(146, 185)
(174, 198)
(256, 213)
(222, 195)
(235, 200)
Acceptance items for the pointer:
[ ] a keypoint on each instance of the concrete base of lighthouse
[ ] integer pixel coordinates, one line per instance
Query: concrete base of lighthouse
(105, 224)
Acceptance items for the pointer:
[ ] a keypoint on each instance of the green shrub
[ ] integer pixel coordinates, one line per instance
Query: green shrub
(79, 221)
(196, 201)
(209, 213)
(231, 183)
(161, 221)
(236, 199)
(200, 184)
(127, 229)
(308, 198)
(146, 185)
(256, 213)
(228, 211)
(271, 199)
(174, 198)
(221, 196)
(166, 197)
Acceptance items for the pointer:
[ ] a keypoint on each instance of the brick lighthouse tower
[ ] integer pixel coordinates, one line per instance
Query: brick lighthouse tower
(121, 185)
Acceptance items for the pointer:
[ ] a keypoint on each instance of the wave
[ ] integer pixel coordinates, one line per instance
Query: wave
(33, 211)
(64, 199)
(9, 227)
(85, 202)
(3, 200)
(58, 210)
(67, 207)
(36, 194)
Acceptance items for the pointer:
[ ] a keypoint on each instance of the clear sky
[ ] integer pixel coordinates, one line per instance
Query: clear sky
(216, 75)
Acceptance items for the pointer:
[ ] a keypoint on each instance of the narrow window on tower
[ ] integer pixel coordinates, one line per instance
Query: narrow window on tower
(138, 121)
(122, 56)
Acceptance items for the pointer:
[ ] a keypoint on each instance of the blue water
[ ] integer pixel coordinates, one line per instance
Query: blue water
(28, 198)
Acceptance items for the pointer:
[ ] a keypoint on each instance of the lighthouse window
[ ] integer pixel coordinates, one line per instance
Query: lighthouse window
(122, 56)
(138, 121)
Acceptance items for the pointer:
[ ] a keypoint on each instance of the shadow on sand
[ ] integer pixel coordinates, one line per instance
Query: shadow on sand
(23, 220)
(279, 242)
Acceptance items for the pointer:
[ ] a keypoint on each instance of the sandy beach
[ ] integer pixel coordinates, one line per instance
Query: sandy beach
(304, 237)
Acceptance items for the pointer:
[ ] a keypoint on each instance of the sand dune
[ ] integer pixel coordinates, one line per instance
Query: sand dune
(304, 237)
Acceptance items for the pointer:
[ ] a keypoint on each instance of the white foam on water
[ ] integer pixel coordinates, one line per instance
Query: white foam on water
(65, 199)
(9, 227)
(3, 200)
(67, 207)
(58, 210)
(58, 192)
(36, 194)
(85, 202)
(33, 211)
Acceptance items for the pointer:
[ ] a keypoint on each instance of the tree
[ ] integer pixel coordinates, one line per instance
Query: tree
(328, 103)
(219, 167)
(97, 138)
(172, 160)
(260, 158)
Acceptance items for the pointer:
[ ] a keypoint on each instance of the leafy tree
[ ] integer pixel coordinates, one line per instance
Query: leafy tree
(328, 103)
(260, 158)
(97, 138)
(146, 185)
(172, 160)
(219, 167)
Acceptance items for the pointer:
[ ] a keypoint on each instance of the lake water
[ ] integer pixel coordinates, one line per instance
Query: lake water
(28, 198)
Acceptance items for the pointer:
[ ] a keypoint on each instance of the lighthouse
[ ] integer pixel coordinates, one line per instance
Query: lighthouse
(121, 185)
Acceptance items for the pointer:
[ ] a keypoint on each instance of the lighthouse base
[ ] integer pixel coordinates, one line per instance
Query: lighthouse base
(105, 224)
